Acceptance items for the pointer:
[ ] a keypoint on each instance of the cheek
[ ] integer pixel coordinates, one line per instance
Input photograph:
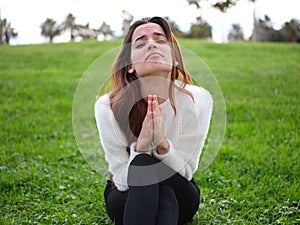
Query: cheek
(136, 56)
(168, 54)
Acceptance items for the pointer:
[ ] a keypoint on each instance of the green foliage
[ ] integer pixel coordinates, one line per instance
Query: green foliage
(255, 179)
(221, 5)
(201, 29)
(236, 33)
(264, 31)
(6, 31)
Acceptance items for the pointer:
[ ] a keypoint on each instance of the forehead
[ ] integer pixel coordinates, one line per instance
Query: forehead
(146, 29)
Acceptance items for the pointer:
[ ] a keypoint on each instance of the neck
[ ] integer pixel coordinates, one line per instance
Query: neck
(154, 85)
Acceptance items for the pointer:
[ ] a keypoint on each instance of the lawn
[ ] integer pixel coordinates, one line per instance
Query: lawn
(255, 178)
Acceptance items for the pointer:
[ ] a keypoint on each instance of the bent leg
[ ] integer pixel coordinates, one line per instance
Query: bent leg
(149, 196)
(168, 209)
(142, 201)
(187, 194)
(115, 203)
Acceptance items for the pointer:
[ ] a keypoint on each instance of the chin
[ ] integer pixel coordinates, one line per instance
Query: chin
(158, 66)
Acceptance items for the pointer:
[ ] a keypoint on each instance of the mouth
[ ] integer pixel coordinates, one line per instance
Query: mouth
(154, 54)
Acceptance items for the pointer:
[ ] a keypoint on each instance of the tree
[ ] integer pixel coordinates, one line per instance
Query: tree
(6, 32)
(85, 32)
(1, 30)
(221, 5)
(261, 29)
(69, 23)
(292, 30)
(175, 28)
(264, 31)
(201, 29)
(127, 20)
(105, 31)
(50, 29)
(264, 27)
(236, 33)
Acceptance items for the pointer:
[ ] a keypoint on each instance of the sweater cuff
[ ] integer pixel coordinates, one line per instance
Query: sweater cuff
(164, 156)
(134, 153)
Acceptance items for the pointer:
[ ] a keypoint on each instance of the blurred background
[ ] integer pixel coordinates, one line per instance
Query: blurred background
(46, 178)
(34, 21)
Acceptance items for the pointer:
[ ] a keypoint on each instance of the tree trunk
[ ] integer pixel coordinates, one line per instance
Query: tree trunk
(1, 41)
(7, 37)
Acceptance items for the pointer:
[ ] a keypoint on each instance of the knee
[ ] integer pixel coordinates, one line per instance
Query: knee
(141, 171)
(143, 160)
(168, 199)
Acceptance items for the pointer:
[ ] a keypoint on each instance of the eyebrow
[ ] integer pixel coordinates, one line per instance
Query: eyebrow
(143, 36)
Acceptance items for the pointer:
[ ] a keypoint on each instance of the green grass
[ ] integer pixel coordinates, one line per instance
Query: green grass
(255, 179)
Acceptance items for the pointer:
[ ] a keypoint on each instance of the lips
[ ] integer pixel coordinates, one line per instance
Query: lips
(153, 54)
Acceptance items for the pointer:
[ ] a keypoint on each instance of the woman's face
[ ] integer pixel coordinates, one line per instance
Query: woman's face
(150, 51)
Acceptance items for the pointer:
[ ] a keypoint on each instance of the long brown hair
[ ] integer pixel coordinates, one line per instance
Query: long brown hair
(129, 107)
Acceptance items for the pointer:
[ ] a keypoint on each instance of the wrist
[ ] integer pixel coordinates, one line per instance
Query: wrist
(139, 147)
(163, 147)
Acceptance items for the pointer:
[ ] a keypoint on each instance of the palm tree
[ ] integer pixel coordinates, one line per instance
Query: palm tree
(69, 23)
(50, 29)
(6, 32)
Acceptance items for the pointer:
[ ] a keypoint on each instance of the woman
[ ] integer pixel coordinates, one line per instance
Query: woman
(152, 127)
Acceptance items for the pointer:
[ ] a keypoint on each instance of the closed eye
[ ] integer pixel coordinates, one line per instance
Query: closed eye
(140, 45)
(161, 41)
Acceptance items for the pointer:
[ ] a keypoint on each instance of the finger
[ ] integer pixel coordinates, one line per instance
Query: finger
(150, 98)
(155, 106)
(149, 116)
(159, 133)
(149, 106)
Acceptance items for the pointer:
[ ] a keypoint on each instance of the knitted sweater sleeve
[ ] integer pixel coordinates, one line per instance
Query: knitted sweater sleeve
(113, 142)
(194, 116)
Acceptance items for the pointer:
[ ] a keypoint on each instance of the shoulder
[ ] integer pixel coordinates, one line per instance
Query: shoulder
(200, 95)
(194, 89)
(102, 101)
(102, 106)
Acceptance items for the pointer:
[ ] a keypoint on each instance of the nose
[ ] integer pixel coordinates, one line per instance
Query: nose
(151, 44)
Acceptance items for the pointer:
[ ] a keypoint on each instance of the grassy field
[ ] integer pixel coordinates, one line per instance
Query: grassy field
(255, 179)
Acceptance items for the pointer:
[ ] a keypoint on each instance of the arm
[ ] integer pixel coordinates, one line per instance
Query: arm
(185, 150)
(113, 141)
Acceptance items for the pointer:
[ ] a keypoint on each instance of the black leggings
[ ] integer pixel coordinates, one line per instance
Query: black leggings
(172, 201)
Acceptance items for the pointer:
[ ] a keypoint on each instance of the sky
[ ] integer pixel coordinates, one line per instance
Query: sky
(27, 15)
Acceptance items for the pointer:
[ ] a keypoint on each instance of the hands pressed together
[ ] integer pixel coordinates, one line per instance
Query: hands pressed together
(152, 129)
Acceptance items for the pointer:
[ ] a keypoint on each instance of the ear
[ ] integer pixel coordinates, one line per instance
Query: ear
(130, 68)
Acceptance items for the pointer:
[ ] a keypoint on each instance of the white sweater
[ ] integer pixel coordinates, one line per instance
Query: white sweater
(186, 132)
